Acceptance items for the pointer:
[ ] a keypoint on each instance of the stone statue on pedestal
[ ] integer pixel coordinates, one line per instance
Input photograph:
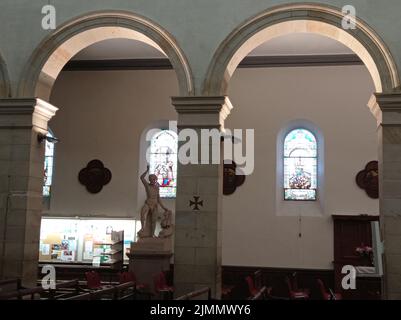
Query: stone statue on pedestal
(151, 254)
(149, 210)
(167, 225)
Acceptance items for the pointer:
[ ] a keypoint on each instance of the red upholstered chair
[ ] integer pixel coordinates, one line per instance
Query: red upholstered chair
(295, 293)
(161, 286)
(129, 276)
(226, 292)
(327, 295)
(253, 291)
(93, 280)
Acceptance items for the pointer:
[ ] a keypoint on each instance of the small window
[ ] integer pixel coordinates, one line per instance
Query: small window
(48, 166)
(300, 166)
(163, 161)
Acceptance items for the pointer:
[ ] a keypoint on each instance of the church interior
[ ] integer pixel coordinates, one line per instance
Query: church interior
(98, 201)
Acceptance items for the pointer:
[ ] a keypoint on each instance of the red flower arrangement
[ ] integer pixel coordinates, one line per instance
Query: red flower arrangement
(365, 252)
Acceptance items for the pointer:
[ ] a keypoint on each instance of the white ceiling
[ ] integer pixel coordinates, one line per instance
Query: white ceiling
(292, 44)
(301, 44)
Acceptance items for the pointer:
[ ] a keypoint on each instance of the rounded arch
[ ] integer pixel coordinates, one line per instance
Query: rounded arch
(301, 18)
(59, 47)
(5, 90)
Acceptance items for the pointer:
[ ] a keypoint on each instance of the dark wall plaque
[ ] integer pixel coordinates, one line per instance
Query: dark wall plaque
(231, 181)
(368, 179)
(95, 176)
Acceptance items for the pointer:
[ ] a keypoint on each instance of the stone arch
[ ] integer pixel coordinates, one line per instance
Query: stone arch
(4, 79)
(296, 18)
(59, 47)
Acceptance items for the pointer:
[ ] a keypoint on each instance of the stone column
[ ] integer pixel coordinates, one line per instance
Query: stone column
(21, 183)
(197, 249)
(387, 109)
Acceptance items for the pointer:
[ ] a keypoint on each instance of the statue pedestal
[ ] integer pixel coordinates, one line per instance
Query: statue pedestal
(148, 257)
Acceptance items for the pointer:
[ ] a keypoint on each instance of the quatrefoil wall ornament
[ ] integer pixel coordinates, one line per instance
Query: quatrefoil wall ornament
(231, 181)
(95, 176)
(368, 179)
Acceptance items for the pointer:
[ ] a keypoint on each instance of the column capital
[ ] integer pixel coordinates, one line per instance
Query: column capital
(26, 112)
(386, 107)
(202, 111)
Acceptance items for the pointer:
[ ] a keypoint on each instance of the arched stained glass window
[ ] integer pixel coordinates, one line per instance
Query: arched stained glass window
(48, 166)
(163, 161)
(300, 166)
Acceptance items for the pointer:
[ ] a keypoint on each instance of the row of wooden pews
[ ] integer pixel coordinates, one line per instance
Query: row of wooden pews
(61, 289)
(202, 294)
(125, 291)
(69, 290)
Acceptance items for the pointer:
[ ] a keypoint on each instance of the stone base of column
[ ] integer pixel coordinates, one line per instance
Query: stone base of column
(392, 242)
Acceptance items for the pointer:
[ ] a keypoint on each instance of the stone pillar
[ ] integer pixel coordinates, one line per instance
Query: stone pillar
(387, 109)
(21, 183)
(197, 249)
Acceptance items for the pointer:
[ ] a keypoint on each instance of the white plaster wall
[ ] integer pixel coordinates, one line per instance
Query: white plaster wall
(334, 99)
(102, 115)
(198, 26)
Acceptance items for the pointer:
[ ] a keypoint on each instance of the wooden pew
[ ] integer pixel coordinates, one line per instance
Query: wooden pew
(262, 294)
(121, 292)
(10, 285)
(65, 289)
(23, 294)
(196, 294)
(84, 296)
(126, 291)
(62, 289)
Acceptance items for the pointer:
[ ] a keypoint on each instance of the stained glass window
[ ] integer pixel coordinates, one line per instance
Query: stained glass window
(300, 166)
(163, 161)
(48, 167)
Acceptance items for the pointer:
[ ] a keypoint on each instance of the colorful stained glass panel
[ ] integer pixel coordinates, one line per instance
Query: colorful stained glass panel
(48, 167)
(163, 161)
(300, 166)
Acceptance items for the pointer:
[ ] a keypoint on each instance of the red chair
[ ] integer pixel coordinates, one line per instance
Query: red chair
(253, 291)
(326, 295)
(161, 286)
(295, 293)
(93, 280)
(226, 292)
(129, 276)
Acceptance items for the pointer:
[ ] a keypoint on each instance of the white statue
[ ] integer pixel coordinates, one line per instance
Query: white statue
(149, 211)
(167, 225)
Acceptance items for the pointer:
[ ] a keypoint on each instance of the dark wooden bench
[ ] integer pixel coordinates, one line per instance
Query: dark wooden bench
(123, 291)
(62, 289)
(10, 285)
(196, 294)
(65, 289)
(263, 294)
(22, 294)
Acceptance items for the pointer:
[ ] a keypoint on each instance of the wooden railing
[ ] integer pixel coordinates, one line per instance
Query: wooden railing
(261, 295)
(65, 289)
(22, 294)
(62, 289)
(120, 292)
(196, 294)
(73, 290)
(10, 285)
